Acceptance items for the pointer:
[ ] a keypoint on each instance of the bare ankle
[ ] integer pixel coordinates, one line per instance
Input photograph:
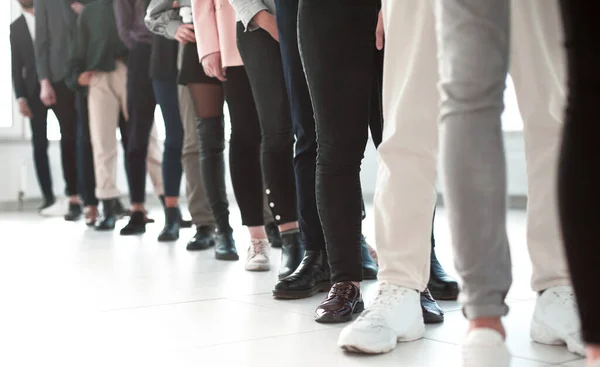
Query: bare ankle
(494, 323)
(593, 353)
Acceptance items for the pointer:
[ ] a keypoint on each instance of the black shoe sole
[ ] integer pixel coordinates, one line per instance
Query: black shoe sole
(430, 318)
(199, 248)
(305, 293)
(138, 232)
(227, 257)
(445, 295)
(73, 219)
(360, 307)
(167, 238)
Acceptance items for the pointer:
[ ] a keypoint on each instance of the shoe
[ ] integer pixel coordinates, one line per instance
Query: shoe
(274, 235)
(311, 277)
(225, 247)
(556, 320)
(58, 209)
(136, 225)
(344, 300)
(185, 223)
(74, 213)
(108, 218)
(258, 255)
(91, 215)
(369, 266)
(170, 232)
(432, 312)
(120, 210)
(46, 204)
(292, 253)
(394, 315)
(441, 285)
(203, 239)
(484, 347)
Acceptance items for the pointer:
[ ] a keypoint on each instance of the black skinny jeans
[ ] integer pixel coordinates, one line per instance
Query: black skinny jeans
(336, 39)
(579, 168)
(262, 61)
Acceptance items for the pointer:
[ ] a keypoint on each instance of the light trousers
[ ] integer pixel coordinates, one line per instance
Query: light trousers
(406, 178)
(107, 98)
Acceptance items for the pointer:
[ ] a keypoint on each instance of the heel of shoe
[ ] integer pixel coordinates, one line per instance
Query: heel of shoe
(543, 334)
(360, 307)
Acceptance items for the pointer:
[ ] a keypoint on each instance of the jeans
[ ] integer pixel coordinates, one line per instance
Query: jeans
(166, 92)
(141, 104)
(578, 176)
(475, 48)
(39, 141)
(263, 65)
(339, 71)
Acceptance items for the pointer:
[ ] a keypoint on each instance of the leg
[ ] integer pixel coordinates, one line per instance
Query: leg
(577, 176)
(538, 75)
(39, 140)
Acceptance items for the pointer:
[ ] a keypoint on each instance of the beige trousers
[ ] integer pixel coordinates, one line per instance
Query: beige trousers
(107, 97)
(406, 192)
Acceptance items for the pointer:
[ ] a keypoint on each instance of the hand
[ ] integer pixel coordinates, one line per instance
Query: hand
(77, 7)
(47, 94)
(267, 21)
(213, 67)
(380, 33)
(85, 78)
(24, 109)
(185, 34)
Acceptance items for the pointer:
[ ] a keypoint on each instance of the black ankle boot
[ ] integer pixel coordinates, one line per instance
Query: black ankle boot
(441, 285)
(136, 225)
(225, 247)
(75, 212)
(120, 210)
(203, 239)
(108, 217)
(369, 266)
(432, 312)
(310, 278)
(292, 252)
(273, 235)
(170, 232)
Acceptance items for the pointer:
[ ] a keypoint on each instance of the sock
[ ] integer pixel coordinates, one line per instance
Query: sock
(290, 231)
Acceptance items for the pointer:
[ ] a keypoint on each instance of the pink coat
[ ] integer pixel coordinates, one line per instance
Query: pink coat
(215, 28)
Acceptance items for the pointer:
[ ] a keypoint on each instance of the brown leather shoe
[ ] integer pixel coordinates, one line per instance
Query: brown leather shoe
(343, 301)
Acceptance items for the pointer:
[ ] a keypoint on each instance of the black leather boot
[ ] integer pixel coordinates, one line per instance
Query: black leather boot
(203, 239)
(183, 223)
(292, 252)
(441, 285)
(136, 225)
(311, 277)
(75, 212)
(432, 312)
(225, 247)
(108, 217)
(170, 232)
(120, 209)
(369, 266)
(273, 235)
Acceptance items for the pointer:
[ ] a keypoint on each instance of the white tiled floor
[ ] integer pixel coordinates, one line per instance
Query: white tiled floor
(70, 296)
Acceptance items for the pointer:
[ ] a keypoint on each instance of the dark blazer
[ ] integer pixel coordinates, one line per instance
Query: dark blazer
(24, 73)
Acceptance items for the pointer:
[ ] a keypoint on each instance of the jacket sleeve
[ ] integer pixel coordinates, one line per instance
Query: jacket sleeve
(124, 13)
(42, 39)
(162, 18)
(17, 68)
(205, 27)
(77, 62)
(246, 10)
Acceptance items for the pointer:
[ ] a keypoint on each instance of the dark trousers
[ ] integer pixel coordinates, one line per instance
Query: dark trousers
(141, 104)
(339, 71)
(579, 165)
(262, 61)
(85, 156)
(166, 94)
(39, 141)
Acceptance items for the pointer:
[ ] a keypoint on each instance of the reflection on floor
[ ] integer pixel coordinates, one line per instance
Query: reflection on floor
(75, 297)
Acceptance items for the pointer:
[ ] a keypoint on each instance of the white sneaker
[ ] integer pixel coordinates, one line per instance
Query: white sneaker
(58, 209)
(484, 347)
(394, 316)
(556, 320)
(258, 256)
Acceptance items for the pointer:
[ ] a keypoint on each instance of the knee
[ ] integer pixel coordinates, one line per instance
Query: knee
(278, 142)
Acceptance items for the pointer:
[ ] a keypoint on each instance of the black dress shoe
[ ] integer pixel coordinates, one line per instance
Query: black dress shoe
(274, 235)
(369, 266)
(75, 212)
(136, 225)
(203, 239)
(225, 247)
(344, 300)
(441, 285)
(432, 312)
(108, 217)
(48, 202)
(170, 232)
(292, 253)
(311, 277)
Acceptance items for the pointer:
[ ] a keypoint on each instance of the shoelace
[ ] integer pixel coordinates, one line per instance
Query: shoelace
(376, 313)
(258, 247)
(566, 298)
